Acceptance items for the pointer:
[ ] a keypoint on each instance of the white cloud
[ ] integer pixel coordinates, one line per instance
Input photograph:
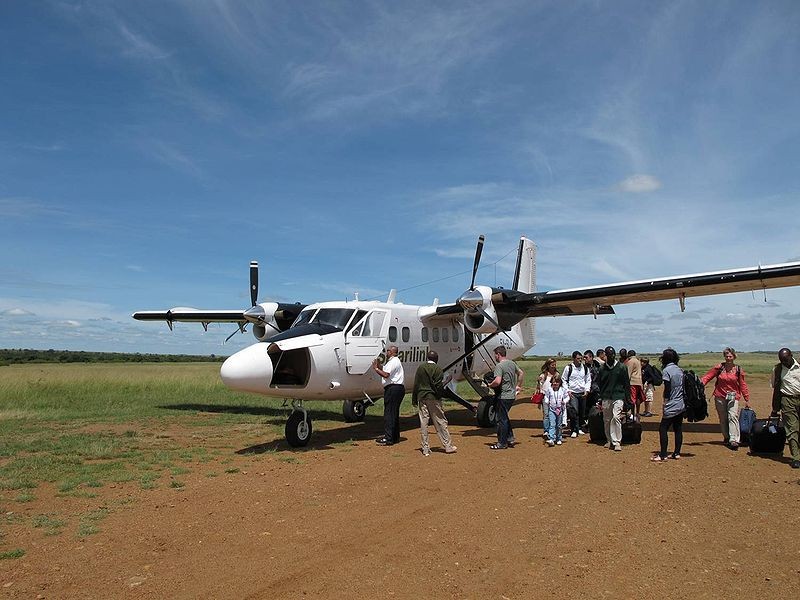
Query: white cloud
(17, 312)
(638, 184)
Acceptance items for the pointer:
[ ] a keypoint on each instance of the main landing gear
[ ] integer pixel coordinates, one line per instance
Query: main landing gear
(487, 414)
(354, 410)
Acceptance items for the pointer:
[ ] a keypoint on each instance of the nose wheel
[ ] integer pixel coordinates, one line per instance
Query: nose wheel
(298, 426)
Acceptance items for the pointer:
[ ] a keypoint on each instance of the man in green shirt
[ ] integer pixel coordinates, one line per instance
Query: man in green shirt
(615, 389)
(427, 393)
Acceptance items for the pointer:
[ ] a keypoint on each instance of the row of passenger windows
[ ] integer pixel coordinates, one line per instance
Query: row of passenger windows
(436, 333)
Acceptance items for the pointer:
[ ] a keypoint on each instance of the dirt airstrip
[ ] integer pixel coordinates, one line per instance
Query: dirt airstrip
(355, 520)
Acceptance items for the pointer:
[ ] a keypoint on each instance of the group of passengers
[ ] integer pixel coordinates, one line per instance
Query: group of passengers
(593, 382)
(621, 386)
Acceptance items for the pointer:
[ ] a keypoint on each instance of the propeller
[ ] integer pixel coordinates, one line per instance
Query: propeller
(253, 298)
(253, 282)
(478, 252)
(472, 300)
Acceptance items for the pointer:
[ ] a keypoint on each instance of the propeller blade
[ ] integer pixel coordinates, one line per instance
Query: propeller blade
(478, 252)
(253, 282)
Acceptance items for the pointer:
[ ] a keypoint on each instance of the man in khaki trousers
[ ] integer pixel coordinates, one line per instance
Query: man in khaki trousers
(427, 394)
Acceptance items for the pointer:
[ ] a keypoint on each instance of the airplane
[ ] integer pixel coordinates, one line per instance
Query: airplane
(325, 350)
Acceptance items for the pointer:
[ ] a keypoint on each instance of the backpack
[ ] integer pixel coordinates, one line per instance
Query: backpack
(694, 396)
(586, 374)
(656, 376)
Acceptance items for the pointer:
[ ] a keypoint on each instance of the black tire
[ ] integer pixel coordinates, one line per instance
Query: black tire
(487, 415)
(354, 410)
(298, 430)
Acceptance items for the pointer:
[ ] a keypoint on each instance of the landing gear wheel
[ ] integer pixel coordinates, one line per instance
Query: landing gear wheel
(354, 410)
(298, 429)
(487, 416)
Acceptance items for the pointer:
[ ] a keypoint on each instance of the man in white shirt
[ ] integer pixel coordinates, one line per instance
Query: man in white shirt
(393, 379)
(786, 399)
(578, 382)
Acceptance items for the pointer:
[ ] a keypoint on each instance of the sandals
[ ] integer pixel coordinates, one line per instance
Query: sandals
(497, 447)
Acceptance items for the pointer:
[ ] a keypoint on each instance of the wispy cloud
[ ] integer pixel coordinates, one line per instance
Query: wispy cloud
(138, 46)
(170, 155)
(638, 184)
(28, 208)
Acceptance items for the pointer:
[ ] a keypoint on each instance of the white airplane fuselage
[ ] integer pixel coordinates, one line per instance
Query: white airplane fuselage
(327, 354)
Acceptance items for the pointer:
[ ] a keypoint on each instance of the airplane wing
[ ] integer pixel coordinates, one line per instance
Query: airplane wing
(191, 315)
(599, 299)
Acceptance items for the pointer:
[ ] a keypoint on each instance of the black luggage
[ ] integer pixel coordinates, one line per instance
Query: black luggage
(631, 431)
(767, 436)
(597, 428)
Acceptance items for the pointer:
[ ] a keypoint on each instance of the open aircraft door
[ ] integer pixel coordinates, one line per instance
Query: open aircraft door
(366, 340)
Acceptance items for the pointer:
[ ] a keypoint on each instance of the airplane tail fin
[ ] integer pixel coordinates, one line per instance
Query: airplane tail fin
(525, 281)
(525, 271)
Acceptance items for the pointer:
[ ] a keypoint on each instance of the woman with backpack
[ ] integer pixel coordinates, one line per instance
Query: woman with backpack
(729, 387)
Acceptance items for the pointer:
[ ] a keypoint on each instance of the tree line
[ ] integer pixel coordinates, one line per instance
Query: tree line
(25, 356)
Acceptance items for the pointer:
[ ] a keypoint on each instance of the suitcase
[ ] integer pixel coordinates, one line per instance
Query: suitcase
(746, 418)
(767, 436)
(631, 431)
(597, 428)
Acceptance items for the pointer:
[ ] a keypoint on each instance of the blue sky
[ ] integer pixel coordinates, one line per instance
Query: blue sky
(150, 150)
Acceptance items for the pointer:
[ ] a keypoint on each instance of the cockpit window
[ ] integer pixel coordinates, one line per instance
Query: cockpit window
(335, 317)
(304, 317)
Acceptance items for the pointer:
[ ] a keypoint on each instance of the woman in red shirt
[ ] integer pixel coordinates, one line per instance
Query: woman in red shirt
(729, 388)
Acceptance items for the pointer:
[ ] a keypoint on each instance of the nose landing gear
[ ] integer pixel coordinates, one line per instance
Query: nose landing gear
(298, 425)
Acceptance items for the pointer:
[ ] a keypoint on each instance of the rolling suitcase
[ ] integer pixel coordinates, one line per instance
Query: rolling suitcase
(597, 428)
(631, 431)
(746, 418)
(767, 436)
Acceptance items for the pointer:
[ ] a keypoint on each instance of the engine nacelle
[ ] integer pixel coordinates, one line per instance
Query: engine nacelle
(263, 318)
(475, 301)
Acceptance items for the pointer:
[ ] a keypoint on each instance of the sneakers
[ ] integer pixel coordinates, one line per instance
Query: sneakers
(551, 443)
(795, 464)
(426, 452)
(573, 435)
(617, 448)
(647, 414)
(558, 443)
(451, 450)
(581, 432)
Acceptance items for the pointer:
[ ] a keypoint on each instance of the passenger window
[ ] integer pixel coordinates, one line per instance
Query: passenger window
(424, 334)
(455, 334)
(445, 334)
(392, 333)
(435, 334)
(406, 333)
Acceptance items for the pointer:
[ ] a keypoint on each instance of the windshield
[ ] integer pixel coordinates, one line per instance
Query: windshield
(304, 317)
(335, 317)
